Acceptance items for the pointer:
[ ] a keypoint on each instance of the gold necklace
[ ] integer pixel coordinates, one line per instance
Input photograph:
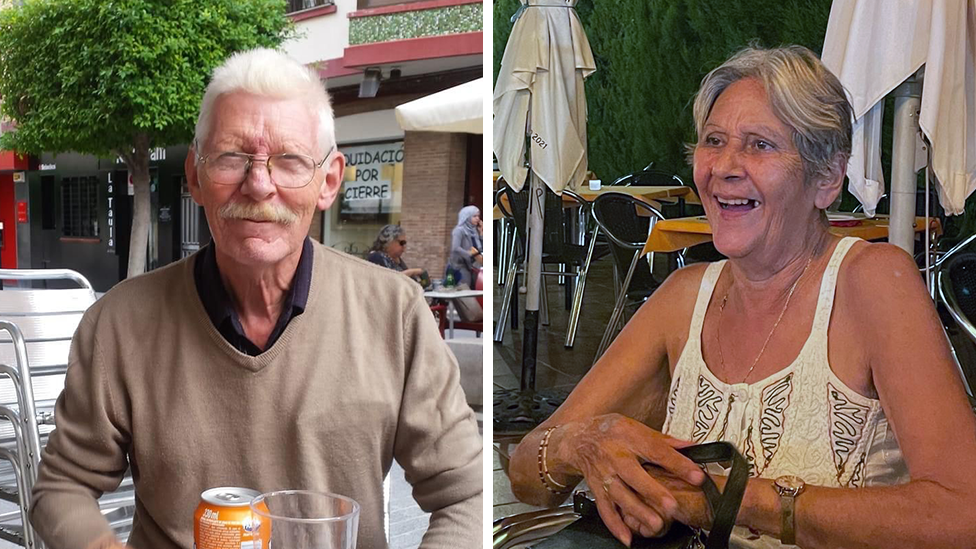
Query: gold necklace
(721, 311)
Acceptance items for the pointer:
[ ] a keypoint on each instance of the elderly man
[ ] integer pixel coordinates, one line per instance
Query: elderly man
(266, 360)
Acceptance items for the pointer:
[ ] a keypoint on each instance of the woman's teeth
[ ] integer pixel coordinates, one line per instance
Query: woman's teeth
(737, 202)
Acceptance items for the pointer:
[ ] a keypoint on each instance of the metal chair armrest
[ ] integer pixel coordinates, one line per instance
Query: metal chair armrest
(46, 274)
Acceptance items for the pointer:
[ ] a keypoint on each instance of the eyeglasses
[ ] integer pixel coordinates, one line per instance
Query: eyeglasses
(287, 170)
(403, 242)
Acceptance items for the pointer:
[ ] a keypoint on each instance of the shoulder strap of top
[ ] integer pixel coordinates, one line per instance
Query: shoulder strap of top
(828, 285)
(709, 279)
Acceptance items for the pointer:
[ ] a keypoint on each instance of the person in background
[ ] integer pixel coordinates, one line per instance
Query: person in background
(466, 246)
(387, 251)
(263, 369)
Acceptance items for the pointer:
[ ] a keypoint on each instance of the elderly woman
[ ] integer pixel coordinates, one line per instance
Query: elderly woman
(387, 251)
(466, 247)
(822, 359)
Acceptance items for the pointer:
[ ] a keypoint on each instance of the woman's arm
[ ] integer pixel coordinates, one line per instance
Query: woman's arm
(601, 431)
(925, 403)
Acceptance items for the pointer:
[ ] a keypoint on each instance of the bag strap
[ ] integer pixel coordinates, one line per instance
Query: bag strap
(724, 505)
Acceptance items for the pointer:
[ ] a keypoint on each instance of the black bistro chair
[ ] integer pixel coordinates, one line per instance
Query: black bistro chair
(557, 248)
(649, 177)
(955, 281)
(626, 230)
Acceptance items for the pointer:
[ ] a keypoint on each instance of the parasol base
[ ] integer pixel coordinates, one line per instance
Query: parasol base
(517, 411)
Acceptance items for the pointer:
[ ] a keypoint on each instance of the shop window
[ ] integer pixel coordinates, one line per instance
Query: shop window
(47, 202)
(299, 5)
(79, 206)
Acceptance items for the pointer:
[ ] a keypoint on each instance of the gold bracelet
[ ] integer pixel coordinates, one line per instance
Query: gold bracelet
(550, 483)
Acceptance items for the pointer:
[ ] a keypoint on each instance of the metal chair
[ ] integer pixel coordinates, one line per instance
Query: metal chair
(37, 326)
(504, 238)
(556, 248)
(648, 177)
(617, 217)
(518, 530)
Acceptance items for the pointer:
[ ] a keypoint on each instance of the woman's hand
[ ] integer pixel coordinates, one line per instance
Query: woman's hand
(413, 272)
(693, 508)
(609, 451)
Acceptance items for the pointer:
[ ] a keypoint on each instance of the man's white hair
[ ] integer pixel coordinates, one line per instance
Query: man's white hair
(268, 73)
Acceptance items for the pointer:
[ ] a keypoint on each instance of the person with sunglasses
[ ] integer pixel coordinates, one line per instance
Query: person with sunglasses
(254, 362)
(387, 251)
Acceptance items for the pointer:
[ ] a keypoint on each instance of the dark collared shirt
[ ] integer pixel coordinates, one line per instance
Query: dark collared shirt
(220, 308)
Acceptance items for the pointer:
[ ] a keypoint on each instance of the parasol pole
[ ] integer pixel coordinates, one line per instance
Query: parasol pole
(535, 221)
(901, 230)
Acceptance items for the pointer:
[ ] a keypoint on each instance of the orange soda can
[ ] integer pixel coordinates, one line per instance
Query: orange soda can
(223, 520)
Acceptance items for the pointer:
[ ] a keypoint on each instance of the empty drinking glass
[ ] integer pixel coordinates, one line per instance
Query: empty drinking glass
(300, 519)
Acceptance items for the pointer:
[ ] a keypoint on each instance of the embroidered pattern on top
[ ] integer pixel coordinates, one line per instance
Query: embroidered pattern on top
(774, 401)
(671, 405)
(847, 421)
(706, 408)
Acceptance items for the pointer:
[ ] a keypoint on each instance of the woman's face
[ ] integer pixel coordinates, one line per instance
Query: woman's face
(750, 175)
(396, 247)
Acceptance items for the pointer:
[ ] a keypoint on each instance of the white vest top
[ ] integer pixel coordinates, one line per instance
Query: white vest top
(802, 420)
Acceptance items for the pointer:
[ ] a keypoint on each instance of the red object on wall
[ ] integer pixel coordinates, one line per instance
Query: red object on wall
(10, 160)
(22, 211)
(8, 253)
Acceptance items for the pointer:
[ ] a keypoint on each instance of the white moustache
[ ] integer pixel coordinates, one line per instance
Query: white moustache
(258, 211)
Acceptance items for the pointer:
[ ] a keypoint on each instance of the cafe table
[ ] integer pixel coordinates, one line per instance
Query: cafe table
(450, 296)
(671, 235)
(649, 194)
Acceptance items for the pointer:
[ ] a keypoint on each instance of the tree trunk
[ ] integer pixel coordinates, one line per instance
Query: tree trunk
(137, 161)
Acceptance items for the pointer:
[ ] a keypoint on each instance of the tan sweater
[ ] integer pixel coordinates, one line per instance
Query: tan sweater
(361, 378)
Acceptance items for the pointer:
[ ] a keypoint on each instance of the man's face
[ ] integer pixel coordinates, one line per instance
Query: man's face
(258, 223)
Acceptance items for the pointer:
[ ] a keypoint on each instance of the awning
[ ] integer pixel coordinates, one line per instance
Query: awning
(457, 109)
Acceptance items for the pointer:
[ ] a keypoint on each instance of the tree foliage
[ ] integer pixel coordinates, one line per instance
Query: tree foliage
(651, 56)
(88, 75)
(114, 77)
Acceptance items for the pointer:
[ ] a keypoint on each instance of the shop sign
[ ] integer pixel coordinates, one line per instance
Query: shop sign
(155, 155)
(19, 177)
(46, 167)
(111, 215)
(374, 175)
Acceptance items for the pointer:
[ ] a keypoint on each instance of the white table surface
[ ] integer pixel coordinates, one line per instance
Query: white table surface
(455, 294)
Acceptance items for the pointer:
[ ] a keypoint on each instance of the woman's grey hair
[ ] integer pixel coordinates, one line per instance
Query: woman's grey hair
(388, 234)
(268, 73)
(803, 94)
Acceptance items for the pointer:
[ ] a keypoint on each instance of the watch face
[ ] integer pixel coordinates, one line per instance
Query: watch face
(790, 482)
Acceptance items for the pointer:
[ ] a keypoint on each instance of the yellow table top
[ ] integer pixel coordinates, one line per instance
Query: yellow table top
(671, 235)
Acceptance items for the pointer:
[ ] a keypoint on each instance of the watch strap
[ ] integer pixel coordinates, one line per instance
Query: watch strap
(787, 502)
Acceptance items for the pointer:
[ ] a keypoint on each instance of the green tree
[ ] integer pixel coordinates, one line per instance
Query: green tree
(650, 58)
(112, 78)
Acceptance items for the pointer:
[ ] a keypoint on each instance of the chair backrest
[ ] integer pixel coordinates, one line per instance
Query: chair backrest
(957, 288)
(626, 230)
(554, 230)
(649, 177)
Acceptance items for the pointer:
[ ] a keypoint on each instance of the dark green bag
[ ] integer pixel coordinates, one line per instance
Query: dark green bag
(589, 532)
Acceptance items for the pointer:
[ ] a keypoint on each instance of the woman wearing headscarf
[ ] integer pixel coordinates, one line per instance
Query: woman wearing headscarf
(388, 248)
(822, 359)
(466, 246)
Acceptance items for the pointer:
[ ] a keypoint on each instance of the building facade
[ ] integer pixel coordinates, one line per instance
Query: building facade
(74, 211)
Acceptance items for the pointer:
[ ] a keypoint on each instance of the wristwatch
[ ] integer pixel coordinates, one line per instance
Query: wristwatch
(788, 487)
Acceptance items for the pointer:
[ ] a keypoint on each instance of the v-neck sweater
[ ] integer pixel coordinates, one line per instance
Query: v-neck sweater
(360, 379)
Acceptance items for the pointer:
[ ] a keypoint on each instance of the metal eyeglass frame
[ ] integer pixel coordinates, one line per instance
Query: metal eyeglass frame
(267, 165)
